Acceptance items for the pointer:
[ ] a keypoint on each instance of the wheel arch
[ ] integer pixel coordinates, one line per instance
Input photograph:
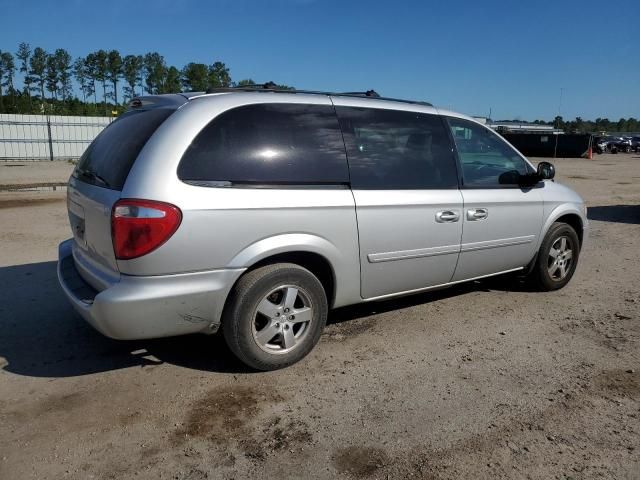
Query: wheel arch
(568, 214)
(314, 253)
(575, 222)
(565, 213)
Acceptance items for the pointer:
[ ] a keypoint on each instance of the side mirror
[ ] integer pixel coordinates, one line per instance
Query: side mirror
(546, 171)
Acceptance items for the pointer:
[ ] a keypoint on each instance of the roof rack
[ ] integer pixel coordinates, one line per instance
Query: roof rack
(272, 87)
(368, 93)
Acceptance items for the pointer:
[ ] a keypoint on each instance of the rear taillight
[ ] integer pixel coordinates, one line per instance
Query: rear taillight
(140, 226)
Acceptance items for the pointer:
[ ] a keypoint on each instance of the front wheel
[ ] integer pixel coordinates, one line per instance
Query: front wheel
(557, 258)
(275, 316)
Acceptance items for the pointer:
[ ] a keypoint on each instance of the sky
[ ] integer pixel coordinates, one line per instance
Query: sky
(518, 60)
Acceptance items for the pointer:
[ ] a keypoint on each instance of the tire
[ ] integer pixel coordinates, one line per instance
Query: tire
(275, 299)
(547, 275)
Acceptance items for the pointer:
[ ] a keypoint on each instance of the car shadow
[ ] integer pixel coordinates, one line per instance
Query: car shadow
(507, 282)
(360, 310)
(615, 213)
(42, 336)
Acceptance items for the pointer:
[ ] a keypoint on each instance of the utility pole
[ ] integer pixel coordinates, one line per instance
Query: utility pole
(560, 103)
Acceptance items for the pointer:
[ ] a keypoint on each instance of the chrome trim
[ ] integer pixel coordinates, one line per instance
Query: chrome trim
(501, 242)
(136, 211)
(448, 249)
(417, 253)
(447, 216)
(475, 214)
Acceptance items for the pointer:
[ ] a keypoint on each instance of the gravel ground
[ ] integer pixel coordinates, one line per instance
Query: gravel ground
(485, 380)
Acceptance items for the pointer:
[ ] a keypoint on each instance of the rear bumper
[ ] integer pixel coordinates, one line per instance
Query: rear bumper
(148, 307)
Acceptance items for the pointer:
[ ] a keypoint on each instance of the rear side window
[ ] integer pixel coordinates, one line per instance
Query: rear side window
(389, 149)
(109, 158)
(273, 143)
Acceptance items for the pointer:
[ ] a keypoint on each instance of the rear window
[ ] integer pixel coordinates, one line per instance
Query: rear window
(274, 143)
(391, 149)
(110, 156)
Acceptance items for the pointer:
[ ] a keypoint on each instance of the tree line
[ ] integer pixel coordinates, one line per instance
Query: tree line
(598, 125)
(105, 80)
(624, 125)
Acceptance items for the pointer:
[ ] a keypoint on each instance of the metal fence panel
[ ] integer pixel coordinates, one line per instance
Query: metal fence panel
(544, 145)
(43, 137)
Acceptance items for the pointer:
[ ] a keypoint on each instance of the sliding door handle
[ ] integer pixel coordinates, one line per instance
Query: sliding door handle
(447, 216)
(477, 214)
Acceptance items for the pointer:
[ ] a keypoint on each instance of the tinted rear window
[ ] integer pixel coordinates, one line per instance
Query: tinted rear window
(275, 143)
(391, 149)
(107, 161)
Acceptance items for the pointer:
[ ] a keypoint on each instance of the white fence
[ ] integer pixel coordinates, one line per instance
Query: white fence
(43, 137)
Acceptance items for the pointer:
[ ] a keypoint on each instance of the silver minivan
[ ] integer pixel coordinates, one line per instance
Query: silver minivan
(257, 211)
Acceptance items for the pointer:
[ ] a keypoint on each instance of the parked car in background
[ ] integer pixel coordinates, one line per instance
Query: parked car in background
(257, 211)
(635, 144)
(618, 144)
(599, 144)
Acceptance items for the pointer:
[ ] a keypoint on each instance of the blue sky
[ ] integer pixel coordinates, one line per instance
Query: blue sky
(470, 56)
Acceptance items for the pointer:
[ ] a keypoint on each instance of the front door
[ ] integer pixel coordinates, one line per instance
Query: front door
(408, 206)
(501, 219)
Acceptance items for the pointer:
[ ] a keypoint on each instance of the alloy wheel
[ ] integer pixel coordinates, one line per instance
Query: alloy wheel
(560, 258)
(282, 318)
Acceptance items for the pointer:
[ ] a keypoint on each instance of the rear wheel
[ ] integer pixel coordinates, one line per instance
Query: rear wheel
(557, 258)
(275, 316)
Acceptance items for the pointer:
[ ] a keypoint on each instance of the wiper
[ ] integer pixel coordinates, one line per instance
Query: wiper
(94, 176)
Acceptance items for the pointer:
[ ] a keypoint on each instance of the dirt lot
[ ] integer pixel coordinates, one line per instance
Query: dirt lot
(21, 173)
(484, 380)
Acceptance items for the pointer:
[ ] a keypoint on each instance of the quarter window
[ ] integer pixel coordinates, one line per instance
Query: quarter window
(111, 155)
(486, 160)
(390, 149)
(270, 143)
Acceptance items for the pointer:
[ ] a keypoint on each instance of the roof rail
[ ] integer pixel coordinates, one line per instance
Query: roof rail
(368, 93)
(251, 86)
(273, 87)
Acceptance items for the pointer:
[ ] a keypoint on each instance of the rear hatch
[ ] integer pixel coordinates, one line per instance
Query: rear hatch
(96, 185)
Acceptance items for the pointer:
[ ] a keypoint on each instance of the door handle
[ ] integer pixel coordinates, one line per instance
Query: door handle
(447, 216)
(477, 214)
